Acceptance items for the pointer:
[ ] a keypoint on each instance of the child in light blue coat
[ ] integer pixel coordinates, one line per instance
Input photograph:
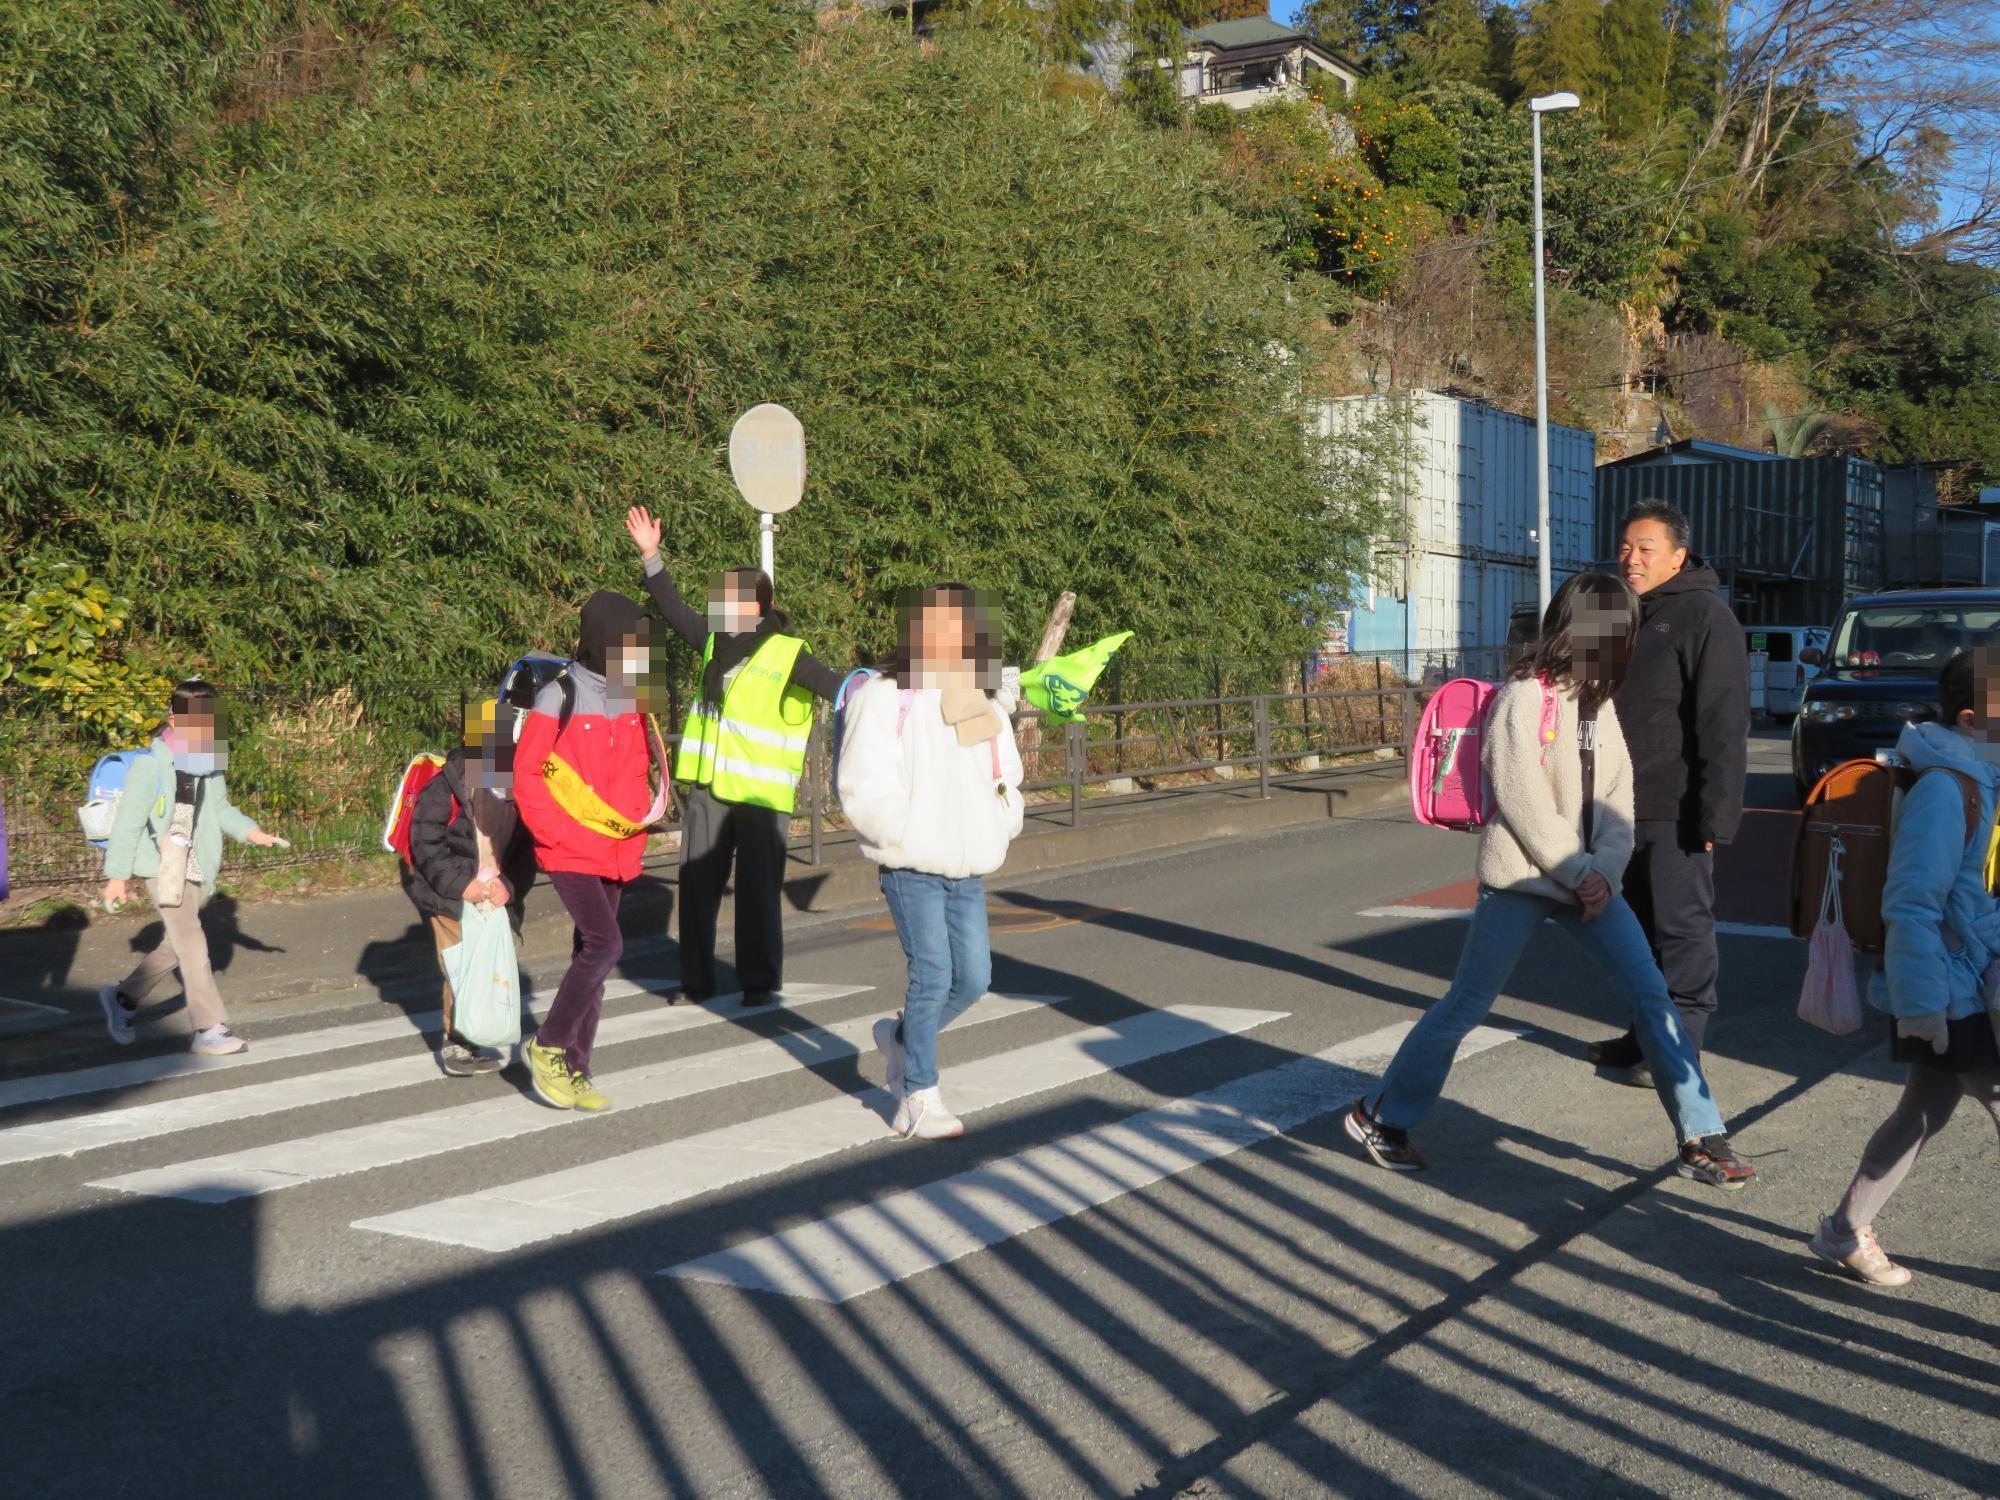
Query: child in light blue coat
(173, 814)
(1943, 937)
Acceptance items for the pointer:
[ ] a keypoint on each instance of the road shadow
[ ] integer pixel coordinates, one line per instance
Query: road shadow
(1140, 1348)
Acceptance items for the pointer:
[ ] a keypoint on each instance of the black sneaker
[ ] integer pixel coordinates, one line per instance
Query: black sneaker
(759, 997)
(1620, 1052)
(1386, 1146)
(1712, 1162)
(1638, 1076)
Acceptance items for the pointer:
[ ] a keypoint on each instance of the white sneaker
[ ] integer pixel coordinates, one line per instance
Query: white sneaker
(891, 1050)
(117, 1019)
(922, 1116)
(218, 1041)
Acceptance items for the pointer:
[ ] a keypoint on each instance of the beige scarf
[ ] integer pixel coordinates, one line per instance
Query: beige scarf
(970, 713)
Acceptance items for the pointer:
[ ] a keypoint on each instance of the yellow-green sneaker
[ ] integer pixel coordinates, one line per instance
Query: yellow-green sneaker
(586, 1094)
(549, 1074)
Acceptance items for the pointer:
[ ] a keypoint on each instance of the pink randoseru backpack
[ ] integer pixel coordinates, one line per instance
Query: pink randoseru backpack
(1447, 780)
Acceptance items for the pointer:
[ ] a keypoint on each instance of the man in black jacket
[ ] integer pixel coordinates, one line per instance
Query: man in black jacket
(444, 869)
(1685, 711)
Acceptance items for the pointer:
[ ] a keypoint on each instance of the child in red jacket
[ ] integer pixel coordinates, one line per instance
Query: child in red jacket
(587, 795)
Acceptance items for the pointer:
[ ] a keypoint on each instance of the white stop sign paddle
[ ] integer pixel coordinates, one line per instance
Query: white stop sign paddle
(767, 459)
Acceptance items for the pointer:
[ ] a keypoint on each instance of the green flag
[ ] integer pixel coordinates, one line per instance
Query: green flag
(1059, 685)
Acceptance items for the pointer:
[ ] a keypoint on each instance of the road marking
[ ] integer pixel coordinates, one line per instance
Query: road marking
(1421, 913)
(139, 1122)
(1460, 914)
(35, 1015)
(363, 1148)
(43, 1089)
(876, 1244)
(657, 1177)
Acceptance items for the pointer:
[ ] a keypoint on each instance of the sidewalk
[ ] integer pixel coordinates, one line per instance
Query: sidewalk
(291, 957)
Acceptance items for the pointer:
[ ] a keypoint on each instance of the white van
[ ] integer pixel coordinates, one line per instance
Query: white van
(1785, 675)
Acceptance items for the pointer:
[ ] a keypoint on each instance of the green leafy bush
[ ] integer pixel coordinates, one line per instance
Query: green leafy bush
(366, 406)
(58, 641)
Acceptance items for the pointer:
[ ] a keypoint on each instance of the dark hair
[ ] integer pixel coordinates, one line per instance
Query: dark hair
(190, 694)
(977, 610)
(1667, 514)
(1553, 655)
(760, 581)
(1958, 683)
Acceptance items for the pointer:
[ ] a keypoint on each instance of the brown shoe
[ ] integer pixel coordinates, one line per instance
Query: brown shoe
(460, 1061)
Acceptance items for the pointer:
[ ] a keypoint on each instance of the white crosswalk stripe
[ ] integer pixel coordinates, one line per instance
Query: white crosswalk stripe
(46, 1087)
(621, 1187)
(114, 1127)
(362, 1148)
(873, 1245)
(859, 1248)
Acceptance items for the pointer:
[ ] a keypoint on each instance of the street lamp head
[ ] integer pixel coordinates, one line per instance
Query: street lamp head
(1549, 103)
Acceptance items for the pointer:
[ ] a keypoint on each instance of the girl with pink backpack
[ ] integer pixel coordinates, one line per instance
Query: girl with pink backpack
(1552, 802)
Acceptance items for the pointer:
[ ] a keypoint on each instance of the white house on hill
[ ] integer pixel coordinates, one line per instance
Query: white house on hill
(1240, 64)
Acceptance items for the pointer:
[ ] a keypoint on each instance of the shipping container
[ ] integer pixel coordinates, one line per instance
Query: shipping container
(1791, 538)
(1467, 552)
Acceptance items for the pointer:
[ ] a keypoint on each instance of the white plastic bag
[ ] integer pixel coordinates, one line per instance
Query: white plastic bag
(1830, 998)
(485, 978)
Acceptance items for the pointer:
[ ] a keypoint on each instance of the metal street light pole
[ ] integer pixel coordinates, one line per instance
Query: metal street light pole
(1545, 104)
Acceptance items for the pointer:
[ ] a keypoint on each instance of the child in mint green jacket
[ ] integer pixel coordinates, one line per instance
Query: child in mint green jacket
(172, 816)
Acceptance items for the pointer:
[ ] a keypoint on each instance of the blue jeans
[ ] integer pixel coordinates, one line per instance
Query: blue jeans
(942, 924)
(1502, 924)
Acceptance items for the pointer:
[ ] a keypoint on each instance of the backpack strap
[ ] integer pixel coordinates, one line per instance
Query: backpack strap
(1551, 716)
(1968, 795)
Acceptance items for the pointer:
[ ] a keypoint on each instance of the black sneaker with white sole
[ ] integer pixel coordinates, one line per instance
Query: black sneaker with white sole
(1385, 1144)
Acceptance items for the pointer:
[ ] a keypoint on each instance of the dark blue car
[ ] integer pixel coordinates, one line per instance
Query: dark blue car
(1880, 672)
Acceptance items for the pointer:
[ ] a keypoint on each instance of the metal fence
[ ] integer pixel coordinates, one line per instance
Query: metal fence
(321, 766)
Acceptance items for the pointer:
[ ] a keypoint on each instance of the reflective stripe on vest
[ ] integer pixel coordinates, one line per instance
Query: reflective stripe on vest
(754, 751)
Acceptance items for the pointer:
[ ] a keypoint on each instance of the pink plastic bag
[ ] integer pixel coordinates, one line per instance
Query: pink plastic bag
(1830, 999)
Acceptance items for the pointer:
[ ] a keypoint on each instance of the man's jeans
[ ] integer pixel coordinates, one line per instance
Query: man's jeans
(942, 924)
(1502, 924)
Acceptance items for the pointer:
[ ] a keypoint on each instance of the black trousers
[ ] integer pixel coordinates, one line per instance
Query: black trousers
(714, 836)
(1670, 886)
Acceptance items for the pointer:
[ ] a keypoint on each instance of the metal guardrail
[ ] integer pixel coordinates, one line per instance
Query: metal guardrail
(325, 778)
(1190, 736)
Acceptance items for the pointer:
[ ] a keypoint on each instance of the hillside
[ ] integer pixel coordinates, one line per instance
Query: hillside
(339, 335)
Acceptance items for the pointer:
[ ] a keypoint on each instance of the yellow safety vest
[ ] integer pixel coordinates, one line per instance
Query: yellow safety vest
(753, 752)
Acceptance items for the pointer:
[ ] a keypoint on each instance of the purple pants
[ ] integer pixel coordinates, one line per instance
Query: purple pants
(592, 903)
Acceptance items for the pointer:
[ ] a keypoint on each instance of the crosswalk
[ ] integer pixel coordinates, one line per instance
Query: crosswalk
(217, 1131)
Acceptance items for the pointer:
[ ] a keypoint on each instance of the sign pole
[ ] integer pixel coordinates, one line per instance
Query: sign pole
(767, 532)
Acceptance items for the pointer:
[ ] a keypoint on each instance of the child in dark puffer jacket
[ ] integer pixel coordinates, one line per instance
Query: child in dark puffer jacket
(467, 845)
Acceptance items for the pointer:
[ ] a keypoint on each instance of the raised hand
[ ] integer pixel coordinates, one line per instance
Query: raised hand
(644, 530)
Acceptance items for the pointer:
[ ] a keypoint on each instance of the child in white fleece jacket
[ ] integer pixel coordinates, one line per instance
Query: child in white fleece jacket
(930, 777)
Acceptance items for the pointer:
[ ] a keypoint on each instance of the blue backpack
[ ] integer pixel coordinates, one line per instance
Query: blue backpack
(106, 786)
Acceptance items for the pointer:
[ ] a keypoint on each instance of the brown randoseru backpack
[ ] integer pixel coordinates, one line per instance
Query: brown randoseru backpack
(1844, 836)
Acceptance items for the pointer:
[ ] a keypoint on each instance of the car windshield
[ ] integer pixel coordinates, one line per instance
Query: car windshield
(1913, 637)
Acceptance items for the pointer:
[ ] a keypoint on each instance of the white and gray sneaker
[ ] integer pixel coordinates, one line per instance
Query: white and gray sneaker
(117, 1014)
(218, 1041)
(922, 1117)
(891, 1050)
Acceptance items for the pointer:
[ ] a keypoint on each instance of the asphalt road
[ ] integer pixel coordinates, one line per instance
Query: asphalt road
(1101, 1289)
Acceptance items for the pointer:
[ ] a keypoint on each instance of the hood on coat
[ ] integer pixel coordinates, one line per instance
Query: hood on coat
(1695, 577)
(608, 618)
(1928, 746)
